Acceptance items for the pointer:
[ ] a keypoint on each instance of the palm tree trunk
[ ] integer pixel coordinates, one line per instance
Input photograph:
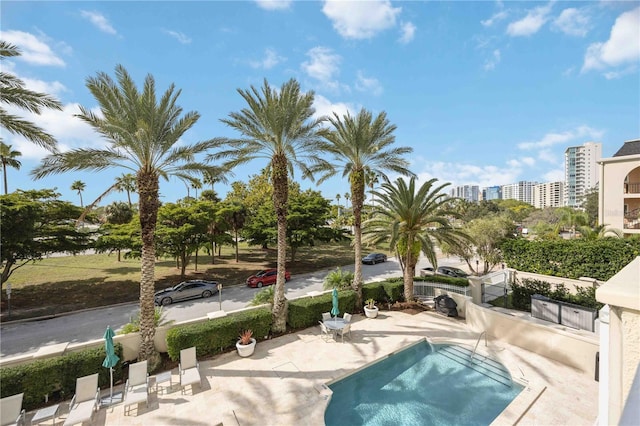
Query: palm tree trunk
(408, 272)
(4, 174)
(280, 196)
(357, 199)
(149, 204)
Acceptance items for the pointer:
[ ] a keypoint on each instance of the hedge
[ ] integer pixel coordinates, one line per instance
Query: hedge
(306, 312)
(522, 290)
(460, 282)
(216, 336)
(56, 377)
(600, 259)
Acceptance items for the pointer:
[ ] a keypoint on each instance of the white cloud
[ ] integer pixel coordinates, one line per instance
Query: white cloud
(408, 32)
(274, 4)
(494, 60)
(361, 19)
(531, 23)
(573, 22)
(623, 46)
(368, 84)
(498, 16)
(548, 156)
(551, 139)
(181, 37)
(529, 161)
(99, 21)
(556, 175)
(469, 174)
(324, 107)
(610, 75)
(34, 50)
(270, 60)
(323, 64)
(54, 88)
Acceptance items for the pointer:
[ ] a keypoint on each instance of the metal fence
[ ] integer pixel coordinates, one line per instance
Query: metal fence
(495, 285)
(427, 289)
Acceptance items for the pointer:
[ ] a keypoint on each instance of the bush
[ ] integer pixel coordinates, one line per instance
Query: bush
(56, 377)
(220, 334)
(460, 282)
(338, 279)
(307, 311)
(263, 296)
(159, 319)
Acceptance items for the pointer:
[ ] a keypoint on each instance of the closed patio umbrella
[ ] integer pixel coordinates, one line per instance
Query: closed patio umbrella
(111, 359)
(334, 309)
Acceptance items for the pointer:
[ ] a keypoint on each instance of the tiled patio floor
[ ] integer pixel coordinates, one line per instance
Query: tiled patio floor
(281, 383)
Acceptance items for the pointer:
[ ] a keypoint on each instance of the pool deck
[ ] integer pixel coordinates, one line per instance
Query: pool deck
(283, 382)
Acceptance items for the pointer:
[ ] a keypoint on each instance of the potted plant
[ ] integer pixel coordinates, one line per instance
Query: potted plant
(370, 309)
(247, 344)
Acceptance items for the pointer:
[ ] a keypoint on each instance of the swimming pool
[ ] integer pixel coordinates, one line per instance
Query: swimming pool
(424, 384)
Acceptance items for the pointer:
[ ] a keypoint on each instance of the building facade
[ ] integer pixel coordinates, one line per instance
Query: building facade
(521, 191)
(492, 193)
(580, 172)
(550, 194)
(469, 193)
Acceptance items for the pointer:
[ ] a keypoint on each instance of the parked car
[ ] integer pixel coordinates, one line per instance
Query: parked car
(186, 290)
(266, 277)
(450, 271)
(373, 258)
(427, 271)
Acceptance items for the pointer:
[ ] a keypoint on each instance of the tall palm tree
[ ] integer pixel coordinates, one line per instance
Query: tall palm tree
(412, 221)
(362, 145)
(196, 184)
(347, 197)
(126, 183)
(216, 174)
(13, 92)
(338, 200)
(278, 125)
(8, 157)
(371, 179)
(143, 133)
(79, 186)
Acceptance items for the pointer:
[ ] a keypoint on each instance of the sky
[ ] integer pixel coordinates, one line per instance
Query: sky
(486, 93)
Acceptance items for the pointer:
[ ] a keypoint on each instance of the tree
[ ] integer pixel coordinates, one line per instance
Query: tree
(371, 178)
(235, 214)
(338, 201)
(573, 219)
(126, 183)
(13, 92)
(196, 184)
(277, 125)
(362, 145)
(599, 231)
(143, 134)
(118, 213)
(78, 186)
(412, 221)
(590, 205)
(8, 157)
(34, 225)
(117, 237)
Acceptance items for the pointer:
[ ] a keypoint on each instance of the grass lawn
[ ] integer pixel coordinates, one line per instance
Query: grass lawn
(63, 284)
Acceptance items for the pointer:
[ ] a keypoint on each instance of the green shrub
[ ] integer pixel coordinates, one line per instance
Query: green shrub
(216, 336)
(338, 279)
(460, 282)
(307, 311)
(375, 291)
(159, 319)
(56, 377)
(263, 296)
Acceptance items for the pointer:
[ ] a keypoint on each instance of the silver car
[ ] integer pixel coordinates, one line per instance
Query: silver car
(186, 290)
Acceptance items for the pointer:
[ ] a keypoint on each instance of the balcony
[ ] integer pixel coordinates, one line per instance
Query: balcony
(632, 219)
(632, 188)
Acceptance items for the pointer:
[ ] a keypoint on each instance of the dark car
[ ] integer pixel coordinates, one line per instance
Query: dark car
(186, 290)
(450, 271)
(266, 277)
(373, 258)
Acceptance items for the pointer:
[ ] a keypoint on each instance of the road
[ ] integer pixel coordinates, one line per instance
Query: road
(26, 337)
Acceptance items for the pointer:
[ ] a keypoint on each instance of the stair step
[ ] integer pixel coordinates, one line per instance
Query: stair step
(480, 363)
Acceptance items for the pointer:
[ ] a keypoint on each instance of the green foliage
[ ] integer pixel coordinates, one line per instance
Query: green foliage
(263, 296)
(389, 291)
(56, 377)
(338, 279)
(460, 282)
(159, 319)
(308, 311)
(599, 259)
(522, 290)
(220, 334)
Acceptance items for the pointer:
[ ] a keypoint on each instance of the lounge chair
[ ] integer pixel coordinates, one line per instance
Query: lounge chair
(346, 317)
(345, 330)
(85, 401)
(11, 411)
(188, 368)
(326, 316)
(325, 333)
(136, 390)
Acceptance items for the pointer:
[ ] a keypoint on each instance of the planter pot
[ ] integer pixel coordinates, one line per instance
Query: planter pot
(246, 350)
(371, 312)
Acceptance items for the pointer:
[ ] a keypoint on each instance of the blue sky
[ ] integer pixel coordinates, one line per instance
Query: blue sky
(486, 93)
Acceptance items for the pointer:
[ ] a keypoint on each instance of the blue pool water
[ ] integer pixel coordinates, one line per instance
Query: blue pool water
(424, 384)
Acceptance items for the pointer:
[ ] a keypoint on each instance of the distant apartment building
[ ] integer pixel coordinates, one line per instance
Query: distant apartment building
(470, 193)
(521, 191)
(580, 171)
(548, 194)
(492, 193)
(619, 195)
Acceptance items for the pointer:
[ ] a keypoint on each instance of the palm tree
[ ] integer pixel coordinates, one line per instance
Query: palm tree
(278, 125)
(412, 221)
(196, 184)
(214, 175)
(338, 200)
(573, 218)
(13, 92)
(371, 179)
(8, 158)
(347, 196)
(599, 231)
(143, 133)
(78, 186)
(362, 145)
(126, 183)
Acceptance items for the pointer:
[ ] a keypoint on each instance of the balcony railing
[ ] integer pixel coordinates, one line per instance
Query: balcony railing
(632, 219)
(632, 188)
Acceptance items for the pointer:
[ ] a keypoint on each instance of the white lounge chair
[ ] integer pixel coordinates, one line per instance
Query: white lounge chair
(326, 316)
(85, 401)
(136, 390)
(345, 330)
(188, 368)
(11, 411)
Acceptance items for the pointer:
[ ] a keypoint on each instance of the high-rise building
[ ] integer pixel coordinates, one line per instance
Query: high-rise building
(521, 191)
(470, 193)
(580, 171)
(548, 194)
(492, 193)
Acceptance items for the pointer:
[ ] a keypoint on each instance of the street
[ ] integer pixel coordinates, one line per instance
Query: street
(28, 336)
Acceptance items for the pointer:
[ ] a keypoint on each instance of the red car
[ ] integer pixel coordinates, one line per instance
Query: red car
(266, 277)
